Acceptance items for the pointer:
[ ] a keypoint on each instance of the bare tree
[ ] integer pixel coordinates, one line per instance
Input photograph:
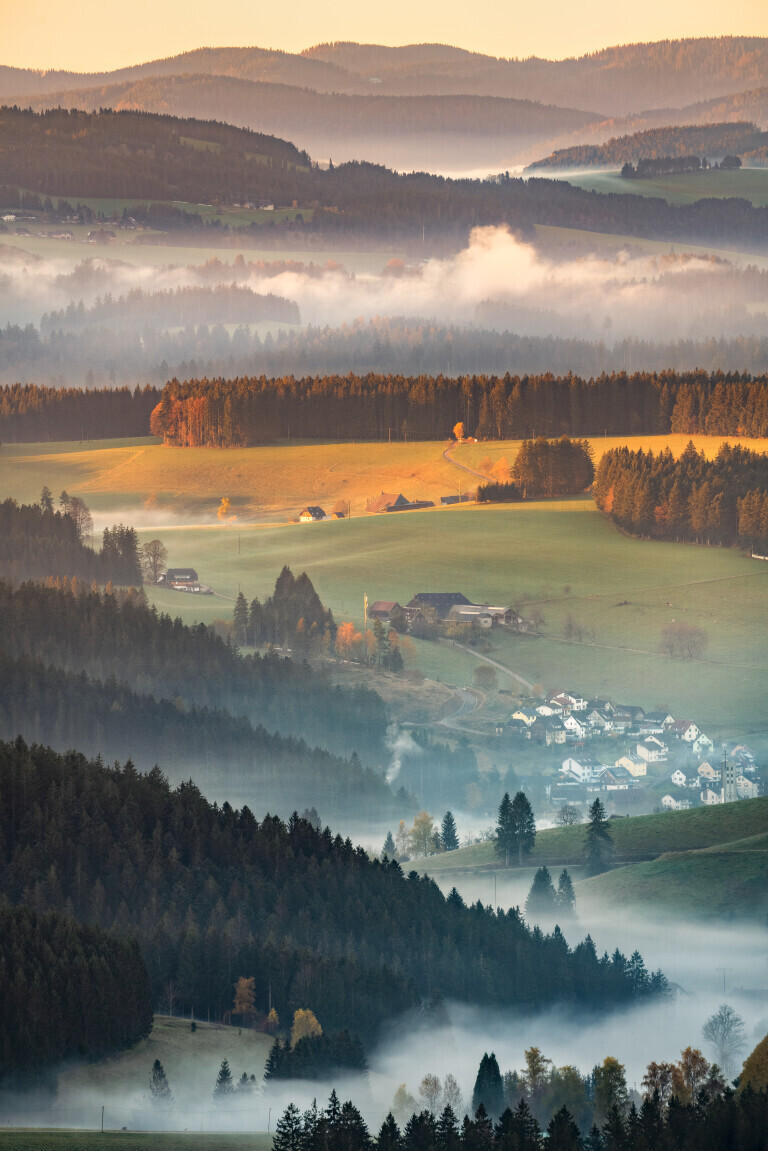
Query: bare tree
(683, 640)
(725, 1032)
(430, 1091)
(568, 815)
(452, 1096)
(153, 559)
(170, 995)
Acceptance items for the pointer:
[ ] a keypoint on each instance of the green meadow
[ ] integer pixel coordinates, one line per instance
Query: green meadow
(746, 183)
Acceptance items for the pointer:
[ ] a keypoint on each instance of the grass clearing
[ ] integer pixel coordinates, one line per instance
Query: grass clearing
(578, 241)
(687, 187)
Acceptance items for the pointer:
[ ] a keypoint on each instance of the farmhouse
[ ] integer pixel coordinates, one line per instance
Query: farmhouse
(485, 615)
(391, 502)
(311, 515)
(175, 576)
(440, 602)
(384, 608)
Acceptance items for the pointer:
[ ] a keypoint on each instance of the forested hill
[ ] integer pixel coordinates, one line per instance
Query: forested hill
(211, 894)
(710, 140)
(120, 638)
(68, 991)
(130, 154)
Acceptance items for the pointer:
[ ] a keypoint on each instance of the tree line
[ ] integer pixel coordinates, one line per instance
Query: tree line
(68, 990)
(103, 356)
(212, 894)
(37, 542)
(30, 413)
(721, 501)
(248, 410)
(174, 307)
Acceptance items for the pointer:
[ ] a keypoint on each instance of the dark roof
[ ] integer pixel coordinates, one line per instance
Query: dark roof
(317, 512)
(441, 601)
(188, 574)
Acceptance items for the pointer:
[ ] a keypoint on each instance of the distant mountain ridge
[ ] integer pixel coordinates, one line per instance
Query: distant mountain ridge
(622, 80)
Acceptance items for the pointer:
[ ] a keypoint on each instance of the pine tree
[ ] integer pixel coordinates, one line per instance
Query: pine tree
(224, 1084)
(288, 1132)
(448, 832)
(598, 845)
(389, 1138)
(389, 846)
(562, 1132)
(159, 1088)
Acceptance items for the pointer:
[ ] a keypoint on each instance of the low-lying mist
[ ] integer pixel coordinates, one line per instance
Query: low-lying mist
(497, 280)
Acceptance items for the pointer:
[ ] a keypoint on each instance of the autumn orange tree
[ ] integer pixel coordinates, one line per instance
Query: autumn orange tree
(245, 995)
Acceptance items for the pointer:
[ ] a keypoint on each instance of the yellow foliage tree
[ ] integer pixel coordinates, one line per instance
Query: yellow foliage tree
(423, 834)
(305, 1026)
(502, 471)
(225, 510)
(458, 431)
(273, 1022)
(755, 1071)
(245, 995)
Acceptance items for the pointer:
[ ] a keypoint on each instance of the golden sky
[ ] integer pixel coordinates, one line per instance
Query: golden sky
(93, 36)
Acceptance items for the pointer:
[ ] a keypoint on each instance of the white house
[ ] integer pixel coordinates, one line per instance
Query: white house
(652, 750)
(568, 701)
(575, 727)
(547, 709)
(702, 744)
(584, 768)
(599, 720)
(685, 729)
(709, 797)
(672, 803)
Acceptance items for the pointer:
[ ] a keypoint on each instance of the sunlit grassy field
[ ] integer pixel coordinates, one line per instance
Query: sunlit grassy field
(560, 556)
(272, 482)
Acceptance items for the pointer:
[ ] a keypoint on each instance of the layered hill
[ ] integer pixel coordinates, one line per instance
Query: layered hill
(396, 105)
(739, 138)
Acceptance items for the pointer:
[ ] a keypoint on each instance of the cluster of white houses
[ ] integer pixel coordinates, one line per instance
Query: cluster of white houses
(653, 737)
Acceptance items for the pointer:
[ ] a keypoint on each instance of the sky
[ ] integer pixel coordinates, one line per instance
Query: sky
(92, 36)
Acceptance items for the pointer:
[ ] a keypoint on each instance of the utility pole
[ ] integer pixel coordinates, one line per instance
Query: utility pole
(102, 1118)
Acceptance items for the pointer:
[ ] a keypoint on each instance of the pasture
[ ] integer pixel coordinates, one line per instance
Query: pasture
(574, 243)
(687, 187)
(560, 557)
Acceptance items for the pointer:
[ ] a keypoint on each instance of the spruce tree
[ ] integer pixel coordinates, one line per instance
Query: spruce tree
(562, 1132)
(598, 845)
(224, 1084)
(389, 1138)
(566, 897)
(159, 1088)
(489, 1090)
(516, 827)
(448, 832)
(542, 899)
(288, 1132)
(389, 846)
(240, 618)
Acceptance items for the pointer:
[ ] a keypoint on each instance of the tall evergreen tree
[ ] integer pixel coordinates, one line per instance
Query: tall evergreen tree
(288, 1131)
(489, 1090)
(542, 898)
(566, 897)
(598, 845)
(448, 832)
(159, 1088)
(224, 1083)
(240, 618)
(515, 828)
(389, 846)
(389, 1138)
